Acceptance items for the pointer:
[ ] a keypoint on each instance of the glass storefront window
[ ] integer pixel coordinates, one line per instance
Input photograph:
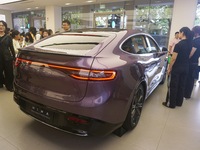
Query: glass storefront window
(73, 15)
(98, 15)
(109, 20)
(150, 16)
(2, 17)
(197, 19)
(109, 7)
(154, 19)
(109, 15)
(22, 21)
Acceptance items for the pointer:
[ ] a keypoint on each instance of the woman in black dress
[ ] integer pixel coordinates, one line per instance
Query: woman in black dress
(7, 55)
(179, 67)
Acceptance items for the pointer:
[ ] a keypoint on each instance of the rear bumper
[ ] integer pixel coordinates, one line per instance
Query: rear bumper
(113, 110)
(67, 121)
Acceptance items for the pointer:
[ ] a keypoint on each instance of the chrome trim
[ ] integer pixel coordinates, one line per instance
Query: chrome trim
(79, 132)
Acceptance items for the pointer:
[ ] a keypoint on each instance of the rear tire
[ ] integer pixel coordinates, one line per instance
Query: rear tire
(135, 110)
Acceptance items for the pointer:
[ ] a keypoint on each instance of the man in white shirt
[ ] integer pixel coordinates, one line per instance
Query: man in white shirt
(173, 42)
(39, 34)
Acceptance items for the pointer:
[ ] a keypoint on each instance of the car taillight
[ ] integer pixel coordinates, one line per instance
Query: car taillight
(97, 75)
(77, 73)
(17, 62)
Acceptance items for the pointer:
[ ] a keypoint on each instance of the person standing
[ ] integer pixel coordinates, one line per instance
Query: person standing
(22, 40)
(173, 42)
(193, 69)
(16, 37)
(66, 25)
(50, 32)
(32, 31)
(39, 35)
(7, 55)
(179, 67)
(46, 33)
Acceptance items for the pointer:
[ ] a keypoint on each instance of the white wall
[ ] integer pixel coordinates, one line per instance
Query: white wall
(184, 13)
(8, 17)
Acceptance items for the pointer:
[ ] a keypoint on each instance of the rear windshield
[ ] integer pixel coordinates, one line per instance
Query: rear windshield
(71, 43)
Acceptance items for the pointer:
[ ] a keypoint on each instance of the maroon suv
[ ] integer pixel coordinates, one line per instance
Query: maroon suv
(88, 82)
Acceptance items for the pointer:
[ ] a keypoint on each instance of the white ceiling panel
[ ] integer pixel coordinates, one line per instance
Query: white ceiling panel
(25, 5)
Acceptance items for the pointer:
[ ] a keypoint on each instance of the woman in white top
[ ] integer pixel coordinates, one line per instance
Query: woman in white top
(16, 37)
(45, 33)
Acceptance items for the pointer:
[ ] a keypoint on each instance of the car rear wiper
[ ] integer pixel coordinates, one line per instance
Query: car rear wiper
(95, 43)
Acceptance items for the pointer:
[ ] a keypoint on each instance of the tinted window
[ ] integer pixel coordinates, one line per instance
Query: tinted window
(135, 44)
(70, 43)
(128, 46)
(151, 45)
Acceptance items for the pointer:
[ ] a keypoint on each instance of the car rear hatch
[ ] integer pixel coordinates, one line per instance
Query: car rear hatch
(58, 67)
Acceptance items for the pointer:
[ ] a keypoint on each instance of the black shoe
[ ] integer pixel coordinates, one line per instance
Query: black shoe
(165, 104)
(187, 98)
(10, 89)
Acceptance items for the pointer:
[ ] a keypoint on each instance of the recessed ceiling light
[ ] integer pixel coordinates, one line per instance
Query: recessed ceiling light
(36, 7)
(28, 8)
(89, 1)
(67, 3)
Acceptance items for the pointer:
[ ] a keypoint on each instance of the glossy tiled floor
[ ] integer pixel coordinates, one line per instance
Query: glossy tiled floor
(159, 128)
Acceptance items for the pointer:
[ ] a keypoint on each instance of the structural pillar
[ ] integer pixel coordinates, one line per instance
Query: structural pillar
(184, 13)
(53, 18)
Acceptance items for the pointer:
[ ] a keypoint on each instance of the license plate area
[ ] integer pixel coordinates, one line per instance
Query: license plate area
(40, 112)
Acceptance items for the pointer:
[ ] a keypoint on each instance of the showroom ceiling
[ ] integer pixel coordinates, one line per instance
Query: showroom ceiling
(25, 5)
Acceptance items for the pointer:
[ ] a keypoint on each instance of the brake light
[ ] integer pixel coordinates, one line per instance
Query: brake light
(97, 75)
(17, 62)
(77, 73)
(77, 120)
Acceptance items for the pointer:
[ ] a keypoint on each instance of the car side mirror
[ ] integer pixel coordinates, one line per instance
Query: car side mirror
(164, 49)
